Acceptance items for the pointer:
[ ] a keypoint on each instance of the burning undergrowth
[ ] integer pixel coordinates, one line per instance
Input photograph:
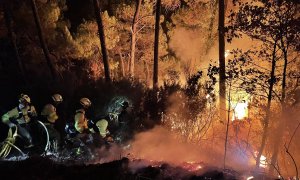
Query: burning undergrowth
(158, 153)
(152, 154)
(159, 144)
(119, 169)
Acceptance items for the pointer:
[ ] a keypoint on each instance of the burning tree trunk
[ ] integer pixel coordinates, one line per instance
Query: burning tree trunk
(42, 39)
(156, 44)
(222, 77)
(268, 110)
(12, 36)
(133, 36)
(102, 40)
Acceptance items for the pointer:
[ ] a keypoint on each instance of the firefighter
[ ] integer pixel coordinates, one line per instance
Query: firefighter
(77, 133)
(99, 127)
(123, 114)
(50, 116)
(116, 122)
(49, 112)
(79, 125)
(81, 122)
(20, 117)
(123, 131)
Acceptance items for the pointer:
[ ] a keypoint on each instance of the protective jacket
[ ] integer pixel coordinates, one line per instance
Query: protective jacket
(81, 122)
(100, 127)
(22, 116)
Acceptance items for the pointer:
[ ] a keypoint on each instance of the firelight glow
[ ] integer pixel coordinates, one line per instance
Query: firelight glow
(263, 161)
(227, 53)
(250, 177)
(240, 111)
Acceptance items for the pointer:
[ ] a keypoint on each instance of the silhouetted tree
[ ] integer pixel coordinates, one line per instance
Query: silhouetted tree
(12, 36)
(156, 43)
(133, 36)
(102, 40)
(42, 39)
(222, 78)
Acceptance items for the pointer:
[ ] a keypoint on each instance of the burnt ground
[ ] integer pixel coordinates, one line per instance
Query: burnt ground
(36, 168)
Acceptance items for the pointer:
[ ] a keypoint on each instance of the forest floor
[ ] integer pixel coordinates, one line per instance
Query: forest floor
(45, 168)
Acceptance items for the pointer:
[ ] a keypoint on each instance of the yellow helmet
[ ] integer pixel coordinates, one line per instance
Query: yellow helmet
(85, 102)
(24, 98)
(57, 98)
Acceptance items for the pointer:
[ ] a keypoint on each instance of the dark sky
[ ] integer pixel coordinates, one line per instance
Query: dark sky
(78, 10)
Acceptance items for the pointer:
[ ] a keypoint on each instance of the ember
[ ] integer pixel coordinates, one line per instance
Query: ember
(192, 166)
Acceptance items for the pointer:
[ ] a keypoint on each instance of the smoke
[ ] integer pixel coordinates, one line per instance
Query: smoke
(187, 44)
(109, 153)
(162, 145)
(159, 144)
(190, 47)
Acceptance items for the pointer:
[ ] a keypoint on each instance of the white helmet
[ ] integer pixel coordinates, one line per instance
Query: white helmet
(85, 102)
(57, 98)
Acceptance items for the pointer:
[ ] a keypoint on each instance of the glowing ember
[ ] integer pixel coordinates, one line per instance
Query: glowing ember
(207, 96)
(192, 166)
(240, 111)
(263, 161)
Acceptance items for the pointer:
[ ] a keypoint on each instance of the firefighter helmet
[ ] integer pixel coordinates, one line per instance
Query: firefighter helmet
(57, 98)
(24, 98)
(85, 102)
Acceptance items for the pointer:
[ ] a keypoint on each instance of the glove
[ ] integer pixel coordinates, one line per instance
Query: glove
(90, 124)
(70, 129)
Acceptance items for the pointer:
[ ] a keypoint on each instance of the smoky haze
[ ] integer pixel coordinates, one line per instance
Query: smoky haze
(161, 145)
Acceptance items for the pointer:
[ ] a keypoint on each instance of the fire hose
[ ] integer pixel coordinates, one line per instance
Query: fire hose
(9, 143)
(47, 135)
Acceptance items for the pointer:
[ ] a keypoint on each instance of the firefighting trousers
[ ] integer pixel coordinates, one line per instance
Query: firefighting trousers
(24, 133)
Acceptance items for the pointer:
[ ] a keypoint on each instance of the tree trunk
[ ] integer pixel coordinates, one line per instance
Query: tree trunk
(222, 76)
(156, 44)
(12, 36)
(122, 66)
(133, 36)
(147, 74)
(102, 40)
(282, 123)
(42, 39)
(268, 110)
(227, 125)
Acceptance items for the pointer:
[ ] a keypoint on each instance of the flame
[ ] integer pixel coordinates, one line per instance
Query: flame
(192, 166)
(240, 111)
(227, 53)
(263, 161)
